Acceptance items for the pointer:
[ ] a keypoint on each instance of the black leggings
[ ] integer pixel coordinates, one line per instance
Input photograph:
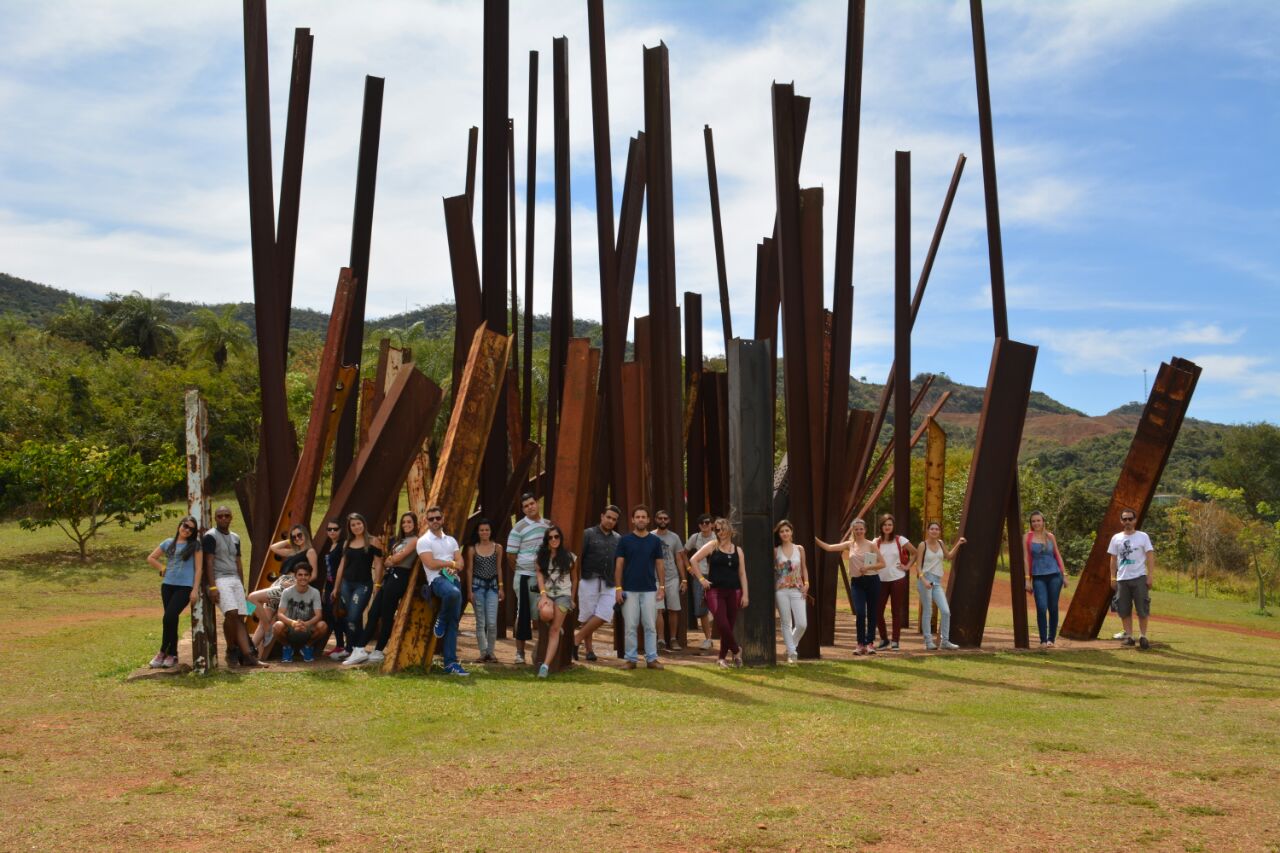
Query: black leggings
(176, 599)
(394, 583)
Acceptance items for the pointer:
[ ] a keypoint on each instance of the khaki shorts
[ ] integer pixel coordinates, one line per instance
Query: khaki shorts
(595, 598)
(670, 599)
(1133, 594)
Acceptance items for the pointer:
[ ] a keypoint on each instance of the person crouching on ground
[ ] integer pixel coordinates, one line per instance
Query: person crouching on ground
(722, 570)
(299, 622)
(928, 566)
(181, 572)
(555, 591)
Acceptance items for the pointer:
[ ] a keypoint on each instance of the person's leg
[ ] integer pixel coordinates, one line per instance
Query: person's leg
(176, 602)
(524, 612)
(873, 585)
(1124, 606)
(732, 602)
(783, 602)
(648, 621)
(926, 612)
(799, 617)
(630, 620)
(393, 589)
(859, 590)
(355, 597)
(660, 617)
(450, 609)
(553, 635)
(1053, 591)
(939, 596)
(1142, 603)
(1040, 587)
(898, 595)
(882, 598)
(715, 603)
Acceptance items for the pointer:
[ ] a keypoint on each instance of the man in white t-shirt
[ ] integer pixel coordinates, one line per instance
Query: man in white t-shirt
(1133, 562)
(442, 559)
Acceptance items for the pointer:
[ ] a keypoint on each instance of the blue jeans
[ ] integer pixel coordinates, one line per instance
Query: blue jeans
(355, 596)
(485, 595)
(640, 607)
(1047, 588)
(866, 593)
(929, 597)
(450, 610)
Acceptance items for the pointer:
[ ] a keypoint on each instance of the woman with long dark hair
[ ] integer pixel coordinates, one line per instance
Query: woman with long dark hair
(721, 568)
(361, 563)
(791, 585)
(329, 606)
(1048, 575)
(898, 554)
(483, 585)
(294, 549)
(864, 580)
(928, 564)
(180, 578)
(555, 590)
(402, 553)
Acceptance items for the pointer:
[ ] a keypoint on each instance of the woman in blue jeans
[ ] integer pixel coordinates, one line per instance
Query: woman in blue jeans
(1048, 575)
(865, 564)
(361, 563)
(482, 559)
(928, 564)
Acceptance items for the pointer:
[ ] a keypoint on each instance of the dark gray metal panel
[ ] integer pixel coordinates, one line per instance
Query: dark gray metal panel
(991, 195)
(751, 486)
(902, 345)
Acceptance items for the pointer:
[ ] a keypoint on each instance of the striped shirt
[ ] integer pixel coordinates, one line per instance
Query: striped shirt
(523, 541)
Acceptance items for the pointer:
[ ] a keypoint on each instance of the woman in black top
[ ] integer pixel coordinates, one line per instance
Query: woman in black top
(483, 558)
(402, 553)
(722, 570)
(361, 563)
(332, 558)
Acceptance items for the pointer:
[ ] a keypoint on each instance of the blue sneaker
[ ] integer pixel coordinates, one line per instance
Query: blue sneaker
(438, 630)
(544, 671)
(286, 654)
(308, 654)
(455, 669)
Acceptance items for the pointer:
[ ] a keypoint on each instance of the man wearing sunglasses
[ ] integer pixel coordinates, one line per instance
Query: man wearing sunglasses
(1133, 562)
(441, 559)
(222, 550)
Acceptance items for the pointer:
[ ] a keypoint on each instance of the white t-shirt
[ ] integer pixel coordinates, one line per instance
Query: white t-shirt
(893, 568)
(1131, 553)
(441, 547)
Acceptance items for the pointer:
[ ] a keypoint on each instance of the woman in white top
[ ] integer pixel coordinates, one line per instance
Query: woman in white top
(898, 554)
(791, 586)
(864, 582)
(928, 566)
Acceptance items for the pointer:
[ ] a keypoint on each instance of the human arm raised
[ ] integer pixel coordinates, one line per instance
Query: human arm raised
(836, 548)
(696, 563)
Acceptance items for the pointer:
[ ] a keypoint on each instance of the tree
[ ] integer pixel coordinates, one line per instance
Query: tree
(138, 322)
(81, 487)
(1261, 541)
(1251, 462)
(216, 335)
(79, 320)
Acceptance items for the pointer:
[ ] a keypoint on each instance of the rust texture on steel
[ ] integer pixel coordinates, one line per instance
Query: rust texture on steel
(295, 133)
(695, 438)
(361, 242)
(465, 268)
(635, 438)
(902, 345)
(1017, 569)
(715, 410)
(1143, 466)
(562, 258)
(717, 233)
(473, 142)
(991, 196)
(513, 373)
(493, 232)
(204, 622)
(333, 386)
(888, 476)
(665, 388)
(454, 486)
(992, 477)
(630, 216)
(531, 191)
(888, 451)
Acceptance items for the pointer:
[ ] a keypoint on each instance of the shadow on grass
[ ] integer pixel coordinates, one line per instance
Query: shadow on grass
(111, 563)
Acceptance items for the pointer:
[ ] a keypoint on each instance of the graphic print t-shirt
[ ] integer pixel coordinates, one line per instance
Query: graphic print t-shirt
(298, 605)
(1130, 551)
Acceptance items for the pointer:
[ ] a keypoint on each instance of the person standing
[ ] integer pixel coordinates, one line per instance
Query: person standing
(555, 590)
(674, 582)
(1048, 575)
(397, 568)
(864, 580)
(222, 553)
(791, 586)
(898, 554)
(300, 611)
(928, 564)
(637, 576)
(484, 586)
(361, 565)
(596, 581)
(1133, 564)
(699, 605)
(442, 560)
(721, 568)
(180, 578)
(329, 615)
(522, 556)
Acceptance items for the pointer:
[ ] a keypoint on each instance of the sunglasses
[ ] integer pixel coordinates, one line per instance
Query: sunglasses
(1127, 518)
(298, 536)
(435, 518)
(333, 530)
(553, 535)
(188, 527)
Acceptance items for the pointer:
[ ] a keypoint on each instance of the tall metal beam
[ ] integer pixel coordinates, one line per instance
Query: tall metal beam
(467, 295)
(717, 232)
(295, 133)
(629, 219)
(473, 143)
(530, 205)
(751, 464)
(902, 343)
(562, 262)
(991, 196)
(695, 447)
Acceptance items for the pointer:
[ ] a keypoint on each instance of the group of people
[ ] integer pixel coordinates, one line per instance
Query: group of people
(645, 575)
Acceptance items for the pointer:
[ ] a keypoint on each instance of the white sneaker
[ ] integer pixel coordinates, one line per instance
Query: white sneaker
(158, 661)
(1119, 635)
(706, 645)
(791, 658)
(358, 656)
(675, 647)
(662, 644)
(520, 657)
(947, 644)
(376, 656)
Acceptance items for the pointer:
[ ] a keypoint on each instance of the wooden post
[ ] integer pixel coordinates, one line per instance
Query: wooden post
(204, 622)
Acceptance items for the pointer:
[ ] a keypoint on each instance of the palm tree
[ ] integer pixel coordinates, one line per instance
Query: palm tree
(139, 322)
(216, 335)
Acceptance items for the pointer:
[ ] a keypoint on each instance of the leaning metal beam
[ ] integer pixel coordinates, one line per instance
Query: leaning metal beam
(295, 132)
(991, 478)
(630, 216)
(915, 439)
(1143, 466)
(467, 297)
(902, 342)
(717, 233)
(454, 486)
(530, 197)
(991, 196)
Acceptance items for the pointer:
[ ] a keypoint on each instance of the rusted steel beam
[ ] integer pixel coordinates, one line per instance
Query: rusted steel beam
(1017, 569)
(715, 392)
(361, 241)
(1153, 440)
(418, 483)
(204, 623)
(334, 382)
(884, 482)
(635, 434)
(631, 214)
(368, 390)
(902, 344)
(991, 196)
(888, 452)
(466, 281)
(694, 439)
(295, 132)
(991, 477)
(454, 486)
(530, 198)
(515, 441)
(473, 141)
(665, 389)
(513, 373)
(717, 233)
(562, 261)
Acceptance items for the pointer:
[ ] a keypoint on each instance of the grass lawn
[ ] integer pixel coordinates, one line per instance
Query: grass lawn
(1104, 749)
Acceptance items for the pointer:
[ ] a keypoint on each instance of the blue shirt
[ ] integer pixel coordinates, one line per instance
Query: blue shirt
(1043, 562)
(639, 555)
(179, 572)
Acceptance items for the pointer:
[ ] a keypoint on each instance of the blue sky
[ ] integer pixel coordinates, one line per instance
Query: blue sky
(1140, 194)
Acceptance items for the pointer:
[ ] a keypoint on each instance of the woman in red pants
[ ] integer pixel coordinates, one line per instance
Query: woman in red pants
(722, 570)
(898, 553)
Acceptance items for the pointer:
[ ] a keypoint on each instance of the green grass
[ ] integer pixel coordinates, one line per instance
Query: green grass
(1170, 749)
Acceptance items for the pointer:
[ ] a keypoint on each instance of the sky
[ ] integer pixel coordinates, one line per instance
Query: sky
(1135, 150)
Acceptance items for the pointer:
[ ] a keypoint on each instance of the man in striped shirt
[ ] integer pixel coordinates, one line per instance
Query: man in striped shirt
(522, 552)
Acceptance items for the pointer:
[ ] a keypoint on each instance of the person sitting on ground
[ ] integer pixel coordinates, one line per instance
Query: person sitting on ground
(791, 586)
(674, 582)
(300, 624)
(691, 546)
(295, 550)
(721, 568)
(927, 564)
(1133, 564)
(555, 591)
(225, 583)
(442, 560)
(595, 584)
(180, 573)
